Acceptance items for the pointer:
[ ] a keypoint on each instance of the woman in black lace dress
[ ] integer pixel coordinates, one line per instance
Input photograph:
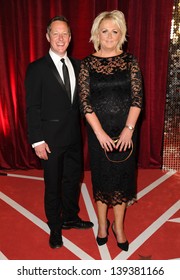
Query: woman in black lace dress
(111, 100)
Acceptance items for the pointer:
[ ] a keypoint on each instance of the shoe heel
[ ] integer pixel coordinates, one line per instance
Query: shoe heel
(103, 240)
(123, 246)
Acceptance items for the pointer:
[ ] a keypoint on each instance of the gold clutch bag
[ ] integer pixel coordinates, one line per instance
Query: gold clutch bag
(117, 156)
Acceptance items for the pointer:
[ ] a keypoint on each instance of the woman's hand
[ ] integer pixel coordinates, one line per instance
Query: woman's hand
(105, 141)
(125, 140)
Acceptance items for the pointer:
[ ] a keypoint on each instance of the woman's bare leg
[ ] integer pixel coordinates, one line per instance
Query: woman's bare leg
(102, 219)
(118, 226)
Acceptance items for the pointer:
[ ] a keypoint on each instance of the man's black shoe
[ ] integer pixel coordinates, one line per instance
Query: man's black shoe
(55, 240)
(78, 224)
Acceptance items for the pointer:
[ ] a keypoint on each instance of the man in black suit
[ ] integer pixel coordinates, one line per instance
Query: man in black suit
(54, 130)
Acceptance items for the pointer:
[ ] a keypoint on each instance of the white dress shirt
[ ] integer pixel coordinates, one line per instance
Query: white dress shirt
(56, 59)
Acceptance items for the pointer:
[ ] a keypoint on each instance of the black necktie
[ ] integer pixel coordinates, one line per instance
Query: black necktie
(66, 78)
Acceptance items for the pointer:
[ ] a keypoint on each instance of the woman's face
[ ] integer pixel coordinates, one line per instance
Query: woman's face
(109, 35)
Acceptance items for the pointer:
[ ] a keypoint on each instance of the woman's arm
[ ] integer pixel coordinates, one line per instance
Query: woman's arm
(105, 141)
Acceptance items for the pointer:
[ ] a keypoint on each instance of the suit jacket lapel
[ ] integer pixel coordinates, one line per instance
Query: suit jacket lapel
(54, 70)
(56, 74)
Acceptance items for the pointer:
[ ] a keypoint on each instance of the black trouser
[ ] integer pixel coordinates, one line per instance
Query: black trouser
(62, 175)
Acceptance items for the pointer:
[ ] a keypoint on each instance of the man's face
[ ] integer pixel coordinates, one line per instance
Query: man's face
(59, 37)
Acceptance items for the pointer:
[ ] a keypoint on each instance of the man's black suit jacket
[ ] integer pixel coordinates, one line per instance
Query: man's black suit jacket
(50, 115)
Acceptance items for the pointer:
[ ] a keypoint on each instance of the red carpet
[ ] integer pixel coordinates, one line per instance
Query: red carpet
(152, 224)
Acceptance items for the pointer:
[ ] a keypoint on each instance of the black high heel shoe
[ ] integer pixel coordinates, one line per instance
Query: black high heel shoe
(103, 240)
(123, 246)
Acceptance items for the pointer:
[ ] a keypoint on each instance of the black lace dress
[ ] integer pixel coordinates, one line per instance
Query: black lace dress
(109, 87)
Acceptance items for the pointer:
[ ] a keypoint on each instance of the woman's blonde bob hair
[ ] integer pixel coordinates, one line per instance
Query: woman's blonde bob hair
(118, 18)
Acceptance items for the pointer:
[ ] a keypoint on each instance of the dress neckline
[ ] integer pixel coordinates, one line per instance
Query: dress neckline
(114, 56)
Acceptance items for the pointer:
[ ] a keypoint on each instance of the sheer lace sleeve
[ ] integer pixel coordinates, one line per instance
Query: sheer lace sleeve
(84, 88)
(136, 84)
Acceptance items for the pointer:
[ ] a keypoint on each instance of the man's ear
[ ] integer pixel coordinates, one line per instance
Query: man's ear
(69, 38)
(47, 37)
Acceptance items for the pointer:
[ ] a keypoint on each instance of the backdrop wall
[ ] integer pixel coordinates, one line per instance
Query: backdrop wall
(22, 36)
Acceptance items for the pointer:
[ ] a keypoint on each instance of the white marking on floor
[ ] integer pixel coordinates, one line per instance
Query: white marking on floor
(2, 256)
(67, 243)
(176, 220)
(25, 177)
(103, 250)
(146, 234)
(155, 184)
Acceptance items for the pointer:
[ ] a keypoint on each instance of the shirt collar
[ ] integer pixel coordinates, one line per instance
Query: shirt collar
(56, 57)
